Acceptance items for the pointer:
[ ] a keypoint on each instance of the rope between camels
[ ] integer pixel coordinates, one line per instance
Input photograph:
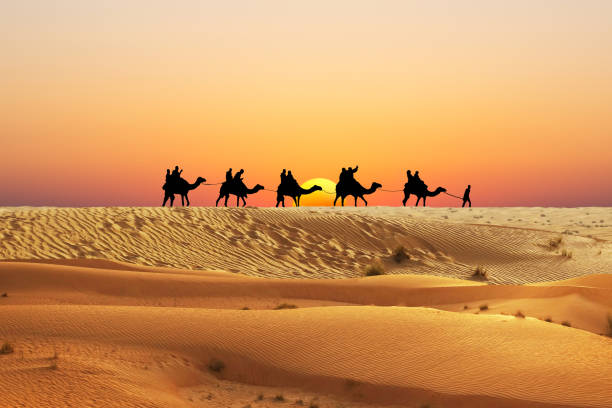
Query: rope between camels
(452, 195)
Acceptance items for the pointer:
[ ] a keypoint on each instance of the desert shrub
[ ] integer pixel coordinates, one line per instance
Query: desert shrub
(519, 314)
(548, 320)
(313, 405)
(374, 270)
(480, 273)
(246, 308)
(555, 243)
(285, 306)
(299, 402)
(260, 397)
(399, 254)
(5, 294)
(566, 323)
(465, 307)
(7, 348)
(279, 398)
(609, 334)
(216, 365)
(484, 307)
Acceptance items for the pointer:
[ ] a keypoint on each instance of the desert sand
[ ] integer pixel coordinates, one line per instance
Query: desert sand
(263, 307)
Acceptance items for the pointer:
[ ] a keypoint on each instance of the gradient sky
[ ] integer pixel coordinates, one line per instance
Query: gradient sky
(99, 98)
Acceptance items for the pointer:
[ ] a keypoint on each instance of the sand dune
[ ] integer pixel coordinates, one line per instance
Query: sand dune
(306, 242)
(128, 308)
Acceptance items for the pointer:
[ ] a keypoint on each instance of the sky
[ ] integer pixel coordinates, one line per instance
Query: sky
(99, 98)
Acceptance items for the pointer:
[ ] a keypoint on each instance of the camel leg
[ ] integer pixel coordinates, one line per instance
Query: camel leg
(166, 199)
(226, 198)
(243, 202)
(417, 203)
(424, 198)
(296, 201)
(405, 200)
(187, 199)
(336, 199)
(182, 200)
(355, 201)
(171, 200)
(217, 202)
(364, 200)
(343, 201)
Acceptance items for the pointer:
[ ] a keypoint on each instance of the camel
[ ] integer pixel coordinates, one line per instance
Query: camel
(240, 192)
(182, 187)
(356, 190)
(294, 192)
(420, 193)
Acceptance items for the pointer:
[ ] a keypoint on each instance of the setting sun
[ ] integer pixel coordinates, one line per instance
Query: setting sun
(324, 198)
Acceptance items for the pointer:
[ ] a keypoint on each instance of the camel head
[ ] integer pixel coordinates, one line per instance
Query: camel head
(317, 188)
(440, 190)
(201, 180)
(257, 188)
(376, 186)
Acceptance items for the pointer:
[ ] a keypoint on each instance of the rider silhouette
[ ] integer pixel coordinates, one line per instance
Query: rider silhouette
(418, 182)
(176, 173)
(283, 176)
(291, 181)
(466, 196)
(228, 175)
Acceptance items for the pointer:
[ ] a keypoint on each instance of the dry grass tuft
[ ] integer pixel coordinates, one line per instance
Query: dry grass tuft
(484, 307)
(260, 397)
(609, 334)
(7, 348)
(279, 398)
(548, 320)
(519, 314)
(5, 294)
(555, 243)
(566, 323)
(216, 365)
(374, 270)
(400, 255)
(480, 273)
(285, 306)
(246, 308)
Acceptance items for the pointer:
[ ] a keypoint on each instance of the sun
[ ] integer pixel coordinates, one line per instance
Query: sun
(319, 198)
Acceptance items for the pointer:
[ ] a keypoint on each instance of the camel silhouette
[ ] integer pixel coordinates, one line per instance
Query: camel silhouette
(295, 192)
(420, 193)
(240, 191)
(182, 187)
(354, 189)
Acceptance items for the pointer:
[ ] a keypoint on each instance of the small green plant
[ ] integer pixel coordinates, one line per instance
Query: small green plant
(216, 365)
(285, 306)
(7, 348)
(279, 398)
(480, 273)
(374, 270)
(400, 255)
(484, 307)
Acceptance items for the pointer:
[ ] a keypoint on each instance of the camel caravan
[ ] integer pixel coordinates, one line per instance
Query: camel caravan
(289, 187)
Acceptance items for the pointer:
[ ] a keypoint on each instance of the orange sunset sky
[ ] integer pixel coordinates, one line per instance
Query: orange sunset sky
(99, 98)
